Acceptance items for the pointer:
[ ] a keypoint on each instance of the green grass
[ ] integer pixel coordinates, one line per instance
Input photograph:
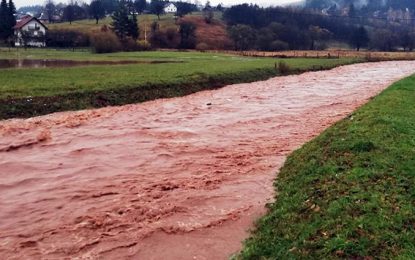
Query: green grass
(197, 71)
(166, 21)
(349, 193)
(144, 21)
(195, 66)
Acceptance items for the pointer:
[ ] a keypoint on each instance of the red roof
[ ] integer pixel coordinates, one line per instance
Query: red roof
(25, 20)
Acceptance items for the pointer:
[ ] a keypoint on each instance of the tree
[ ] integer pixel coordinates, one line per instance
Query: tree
(7, 20)
(359, 38)
(187, 35)
(316, 33)
(219, 8)
(184, 8)
(12, 18)
(408, 41)
(4, 25)
(80, 12)
(208, 13)
(140, 5)
(352, 10)
(133, 31)
(243, 36)
(157, 7)
(96, 10)
(109, 6)
(124, 23)
(69, 12)
(383, 40)
(50, 10)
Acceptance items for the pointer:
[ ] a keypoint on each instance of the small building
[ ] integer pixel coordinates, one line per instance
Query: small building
(170, 8)
(30, 31)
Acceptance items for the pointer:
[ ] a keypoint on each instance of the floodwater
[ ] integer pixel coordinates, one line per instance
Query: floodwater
(181, 178)
(42, 63)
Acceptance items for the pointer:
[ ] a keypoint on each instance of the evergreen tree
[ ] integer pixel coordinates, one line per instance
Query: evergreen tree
(3, 19)
(11, 19)
(7, 19)
(133, 31)
(125, 23)
(140, 5)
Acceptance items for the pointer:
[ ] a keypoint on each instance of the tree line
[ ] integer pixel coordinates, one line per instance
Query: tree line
(98, 9)
(278, 28)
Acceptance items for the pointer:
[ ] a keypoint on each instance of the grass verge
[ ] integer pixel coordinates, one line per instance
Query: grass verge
(30, 92)
(349, 192)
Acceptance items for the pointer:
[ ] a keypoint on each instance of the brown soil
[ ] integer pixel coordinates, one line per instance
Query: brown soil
(181, 178)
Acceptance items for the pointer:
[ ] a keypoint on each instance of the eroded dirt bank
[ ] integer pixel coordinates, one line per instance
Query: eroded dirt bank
(169, 179)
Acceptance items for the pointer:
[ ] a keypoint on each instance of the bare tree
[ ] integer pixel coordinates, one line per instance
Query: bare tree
(50, 10)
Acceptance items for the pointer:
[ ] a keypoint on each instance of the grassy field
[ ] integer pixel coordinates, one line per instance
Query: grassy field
(80, 87)
(144, 22)
(349, 192)
(89, 25)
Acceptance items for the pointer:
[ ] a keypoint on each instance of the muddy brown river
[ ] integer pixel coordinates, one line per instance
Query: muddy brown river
(181, 178)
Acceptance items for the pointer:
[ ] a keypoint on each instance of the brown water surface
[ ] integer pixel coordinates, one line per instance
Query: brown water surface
(44, 63)
(181, 178)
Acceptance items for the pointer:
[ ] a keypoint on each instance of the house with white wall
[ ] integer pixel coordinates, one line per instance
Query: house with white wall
(29, 31)
(170, 8)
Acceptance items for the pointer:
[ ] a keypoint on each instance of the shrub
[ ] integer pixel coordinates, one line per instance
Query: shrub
(279, 46)
(165, 38)
(202, 46)
(172, 38)
(321, 46)
(129, 44)
(105, 42)
(187, 35)
(143, 45)
(283, 68)
(67, 39)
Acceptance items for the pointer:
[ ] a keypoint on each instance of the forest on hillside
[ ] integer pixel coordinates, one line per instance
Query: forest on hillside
(385, 25)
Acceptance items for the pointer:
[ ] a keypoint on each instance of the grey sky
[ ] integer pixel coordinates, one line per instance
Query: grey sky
(20, 3)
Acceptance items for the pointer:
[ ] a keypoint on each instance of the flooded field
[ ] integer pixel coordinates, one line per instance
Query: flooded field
(180, 178)
(45, 63)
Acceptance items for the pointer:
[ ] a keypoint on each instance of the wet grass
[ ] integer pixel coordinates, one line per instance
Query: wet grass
(29, 91)
(349, 193)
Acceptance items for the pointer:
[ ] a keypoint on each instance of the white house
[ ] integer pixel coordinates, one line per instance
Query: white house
(29, 31)
(170, 8)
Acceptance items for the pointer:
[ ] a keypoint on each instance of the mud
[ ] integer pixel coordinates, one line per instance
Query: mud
(181, 178)
(34, 63)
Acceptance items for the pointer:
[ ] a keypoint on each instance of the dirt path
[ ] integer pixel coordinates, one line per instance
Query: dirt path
(169, 179)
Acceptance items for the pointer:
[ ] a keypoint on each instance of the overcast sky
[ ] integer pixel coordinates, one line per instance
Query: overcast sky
(20, 3)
